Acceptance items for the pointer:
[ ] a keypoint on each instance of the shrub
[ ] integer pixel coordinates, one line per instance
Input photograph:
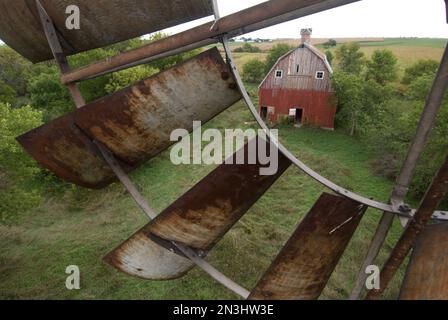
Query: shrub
(17, 169)
(418, 69)
(247, 47)
(253, 71)
(48, 95)
(125, 78)
(7, 94)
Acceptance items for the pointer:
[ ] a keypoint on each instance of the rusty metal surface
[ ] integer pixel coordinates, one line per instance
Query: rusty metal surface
(135, 123)
(198, 219)
(303, 267)
(103, 22)
(427, 274)
(433, 197)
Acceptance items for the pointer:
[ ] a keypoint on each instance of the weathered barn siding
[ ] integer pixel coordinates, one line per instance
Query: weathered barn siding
(318, 107)
(298, 88)
(309, 63)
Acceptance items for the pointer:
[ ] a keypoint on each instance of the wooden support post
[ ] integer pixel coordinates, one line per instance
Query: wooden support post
(400, 190)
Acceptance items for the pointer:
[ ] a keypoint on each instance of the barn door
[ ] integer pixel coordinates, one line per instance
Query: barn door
(298, 117)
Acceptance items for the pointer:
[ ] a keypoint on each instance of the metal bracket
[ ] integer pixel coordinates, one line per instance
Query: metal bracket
(56, 48)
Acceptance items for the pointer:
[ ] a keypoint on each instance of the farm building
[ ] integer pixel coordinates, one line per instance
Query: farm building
(298, 87)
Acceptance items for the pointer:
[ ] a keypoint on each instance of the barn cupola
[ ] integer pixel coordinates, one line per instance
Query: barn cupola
(306, 35)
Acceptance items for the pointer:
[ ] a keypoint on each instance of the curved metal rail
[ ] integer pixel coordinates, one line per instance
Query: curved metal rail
(302, 166)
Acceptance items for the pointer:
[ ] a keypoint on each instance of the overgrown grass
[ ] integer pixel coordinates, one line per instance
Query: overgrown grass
(84, 225)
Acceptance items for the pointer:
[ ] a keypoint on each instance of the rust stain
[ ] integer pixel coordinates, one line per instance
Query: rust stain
(203, 215)
(103, 22)
(303, 267)
(134, 124)
(427, 274)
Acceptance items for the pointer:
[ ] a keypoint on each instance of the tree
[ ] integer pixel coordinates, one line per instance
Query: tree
(48, 95)
(382, 67)
(275, 53)
(330, 56)
(7, 94)
(351, 59)
(13, 68)
(253, 71)
(125, 78)
(330, 43)
(348, 89)
(420, 68)
(359, 101)
(94, 88)
(419, 88)
(247, 47)
(17, 169)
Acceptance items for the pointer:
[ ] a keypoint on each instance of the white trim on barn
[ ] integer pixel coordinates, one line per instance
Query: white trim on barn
(320, 77)
(319, 54)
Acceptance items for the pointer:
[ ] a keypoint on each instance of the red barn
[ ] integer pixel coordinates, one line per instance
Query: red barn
(298, 87)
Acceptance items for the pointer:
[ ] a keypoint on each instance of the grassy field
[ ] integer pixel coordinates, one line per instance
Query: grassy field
(83, 226)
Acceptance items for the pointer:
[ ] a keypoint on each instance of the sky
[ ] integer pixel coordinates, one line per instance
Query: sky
(367, 18)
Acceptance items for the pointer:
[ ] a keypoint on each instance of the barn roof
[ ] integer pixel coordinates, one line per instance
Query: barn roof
(313, 49)
(103, 22)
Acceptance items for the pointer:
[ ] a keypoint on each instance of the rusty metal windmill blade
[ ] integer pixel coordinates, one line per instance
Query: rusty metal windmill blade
(21, 29)
(304, 266)
(427, 274)
(135, 123)
(144, 258)
(198, 219)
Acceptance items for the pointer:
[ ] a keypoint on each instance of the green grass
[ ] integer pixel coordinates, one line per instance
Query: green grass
(84, 225)
(81, 226)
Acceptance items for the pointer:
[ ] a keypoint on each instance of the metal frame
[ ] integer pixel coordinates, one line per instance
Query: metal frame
(401, 187)
(221, 29)
(431, 200)
(109, 158)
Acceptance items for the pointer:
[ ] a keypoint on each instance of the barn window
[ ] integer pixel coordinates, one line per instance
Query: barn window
(320, 75)
(298, 68)
(279, 74)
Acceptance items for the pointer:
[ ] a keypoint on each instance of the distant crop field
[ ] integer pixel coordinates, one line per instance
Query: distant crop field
(407, 50)
(413, 42)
